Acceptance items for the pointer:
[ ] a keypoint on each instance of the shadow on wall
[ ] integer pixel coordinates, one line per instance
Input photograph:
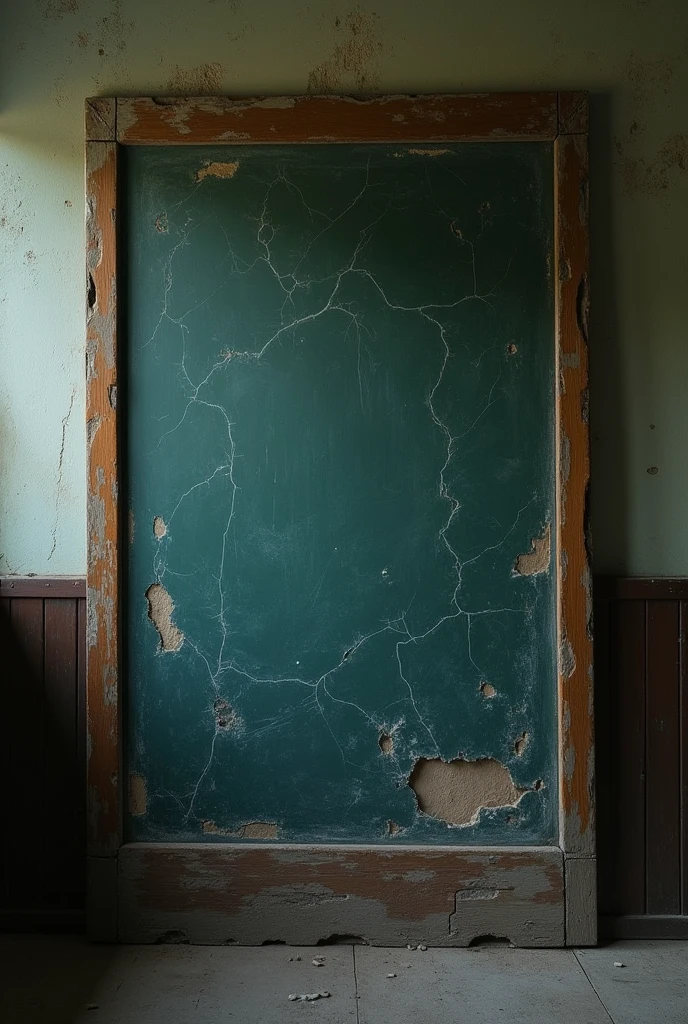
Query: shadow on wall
(609, 465)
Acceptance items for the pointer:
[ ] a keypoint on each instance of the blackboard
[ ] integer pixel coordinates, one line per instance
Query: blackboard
(339, 469)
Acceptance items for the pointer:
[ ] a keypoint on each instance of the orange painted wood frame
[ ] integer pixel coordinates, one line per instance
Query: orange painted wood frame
(139, 892)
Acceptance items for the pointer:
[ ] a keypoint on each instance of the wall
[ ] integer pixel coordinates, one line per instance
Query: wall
(626, 52)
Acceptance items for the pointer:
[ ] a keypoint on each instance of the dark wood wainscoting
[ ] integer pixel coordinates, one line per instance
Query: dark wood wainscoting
(641, 669)
(42, 735)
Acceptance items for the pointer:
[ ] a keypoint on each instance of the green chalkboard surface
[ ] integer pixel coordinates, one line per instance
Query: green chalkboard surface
(339, 463)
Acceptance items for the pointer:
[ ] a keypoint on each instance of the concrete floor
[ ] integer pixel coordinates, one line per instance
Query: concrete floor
(63, 980)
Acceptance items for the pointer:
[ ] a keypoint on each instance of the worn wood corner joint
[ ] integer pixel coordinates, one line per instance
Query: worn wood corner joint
(209, 892)
(100, 118)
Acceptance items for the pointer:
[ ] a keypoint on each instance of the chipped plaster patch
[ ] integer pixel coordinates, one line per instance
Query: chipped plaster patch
(487, 690)
(457, 791)
(251, 830)
(159, 527)
(538, 558)
(386, 743)
(138, 797)
(160, 608)
(217, 169)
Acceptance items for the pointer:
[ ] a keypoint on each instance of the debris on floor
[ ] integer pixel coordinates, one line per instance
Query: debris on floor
(292, 958)
(617, 963)
(308, 997)
(318, 961)
(391, 975)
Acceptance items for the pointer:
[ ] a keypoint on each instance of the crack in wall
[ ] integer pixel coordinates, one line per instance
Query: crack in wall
(60, 461)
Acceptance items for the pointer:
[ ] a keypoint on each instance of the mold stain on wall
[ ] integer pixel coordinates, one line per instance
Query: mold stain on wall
(201, 80)
(354, 59)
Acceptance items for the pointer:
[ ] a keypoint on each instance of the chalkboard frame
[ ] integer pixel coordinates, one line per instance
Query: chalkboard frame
(152, 892)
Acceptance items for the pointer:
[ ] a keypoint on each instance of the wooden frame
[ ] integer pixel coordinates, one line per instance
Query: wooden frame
(540, 896)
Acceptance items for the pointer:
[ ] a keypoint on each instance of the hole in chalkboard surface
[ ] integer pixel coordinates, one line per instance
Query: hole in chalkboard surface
(386, 743)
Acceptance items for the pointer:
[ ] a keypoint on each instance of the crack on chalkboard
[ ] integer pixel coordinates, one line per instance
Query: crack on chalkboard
(296, 288)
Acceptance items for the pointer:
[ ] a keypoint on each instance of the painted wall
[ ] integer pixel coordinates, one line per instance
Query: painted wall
(626, 52)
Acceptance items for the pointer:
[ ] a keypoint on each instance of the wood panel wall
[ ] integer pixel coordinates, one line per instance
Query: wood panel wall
(641, 670)
(42, 739)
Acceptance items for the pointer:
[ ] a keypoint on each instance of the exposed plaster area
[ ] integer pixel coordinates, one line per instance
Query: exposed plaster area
(386, 743)
(216, 169)
(160, 608)
(159, 527)
(457, 791)
(538, 558)
(251, 830)
(138, 797)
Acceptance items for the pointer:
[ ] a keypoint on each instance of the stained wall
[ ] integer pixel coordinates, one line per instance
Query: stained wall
(628, 54)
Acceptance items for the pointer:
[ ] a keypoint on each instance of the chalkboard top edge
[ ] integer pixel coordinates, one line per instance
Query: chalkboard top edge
(441, 118)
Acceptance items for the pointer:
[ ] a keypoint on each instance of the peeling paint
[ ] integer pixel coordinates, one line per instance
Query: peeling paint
(476, 894)
(160, 608)
(217, 169)
(567, 659)
(457, 791)
(536, 560)
(251, 830)
(138, 796)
